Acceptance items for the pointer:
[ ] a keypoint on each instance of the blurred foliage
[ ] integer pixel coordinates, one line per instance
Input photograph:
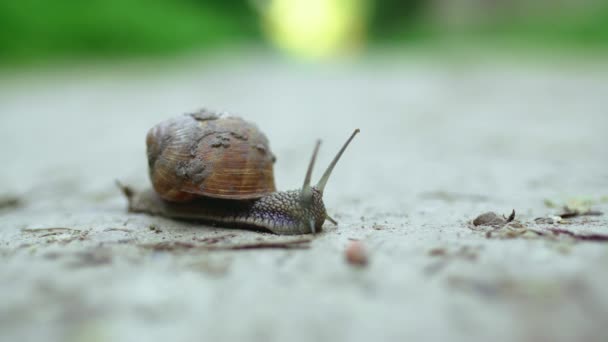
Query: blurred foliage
(35, 29)
(587, 29)
(413, 21)
(393, 19)
(39, 30)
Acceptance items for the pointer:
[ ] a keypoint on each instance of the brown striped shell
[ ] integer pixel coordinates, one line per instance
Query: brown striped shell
(203, 154)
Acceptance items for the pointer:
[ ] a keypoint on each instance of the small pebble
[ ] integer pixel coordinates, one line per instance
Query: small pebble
(489, 219)
(356, 254)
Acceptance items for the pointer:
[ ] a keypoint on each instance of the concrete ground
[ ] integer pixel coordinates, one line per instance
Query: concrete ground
(441, 142)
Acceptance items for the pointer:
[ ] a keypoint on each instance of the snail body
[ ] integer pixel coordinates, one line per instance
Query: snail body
(278, 212)
(219, 170)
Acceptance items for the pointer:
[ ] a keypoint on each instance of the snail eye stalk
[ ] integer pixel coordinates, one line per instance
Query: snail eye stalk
(306, 194)
(323, 181)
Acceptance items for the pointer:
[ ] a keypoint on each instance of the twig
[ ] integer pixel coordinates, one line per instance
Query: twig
(176, 245)
(293, 244)
(214, 239)
(50, 230)
(118, 230)
(586, 237)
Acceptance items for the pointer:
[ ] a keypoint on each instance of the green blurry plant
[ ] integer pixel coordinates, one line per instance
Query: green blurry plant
(413, 21)
(42, 30)
(38, 29)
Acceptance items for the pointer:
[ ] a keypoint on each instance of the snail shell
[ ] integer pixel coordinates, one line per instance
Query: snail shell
(204, 154)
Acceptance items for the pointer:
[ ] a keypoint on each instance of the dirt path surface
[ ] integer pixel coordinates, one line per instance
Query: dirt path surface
(440, 143)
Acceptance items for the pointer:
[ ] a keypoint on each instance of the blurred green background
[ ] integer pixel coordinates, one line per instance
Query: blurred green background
(39, 31)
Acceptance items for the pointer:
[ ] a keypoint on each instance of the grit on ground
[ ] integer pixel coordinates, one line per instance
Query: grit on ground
(440, 144)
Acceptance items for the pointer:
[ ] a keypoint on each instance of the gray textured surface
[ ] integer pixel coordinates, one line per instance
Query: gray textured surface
(440, 143)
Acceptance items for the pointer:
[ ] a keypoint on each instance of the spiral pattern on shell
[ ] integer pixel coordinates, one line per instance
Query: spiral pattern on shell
(205, 154)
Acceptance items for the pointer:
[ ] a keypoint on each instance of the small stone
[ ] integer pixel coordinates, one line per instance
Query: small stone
(356, 254)
(489, 219)
(438, 252)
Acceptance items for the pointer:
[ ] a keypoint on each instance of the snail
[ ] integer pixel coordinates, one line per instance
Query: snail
(219, 169)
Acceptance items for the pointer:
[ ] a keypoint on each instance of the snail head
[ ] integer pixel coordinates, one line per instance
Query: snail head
(311, 197)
